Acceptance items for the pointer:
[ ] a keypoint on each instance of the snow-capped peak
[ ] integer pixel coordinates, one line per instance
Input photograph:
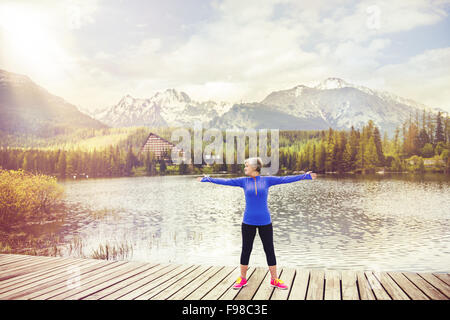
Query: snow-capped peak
(126, 100)
(170, 96)
(299, 90)
(332, 83)
(337, 83)
(164, 108)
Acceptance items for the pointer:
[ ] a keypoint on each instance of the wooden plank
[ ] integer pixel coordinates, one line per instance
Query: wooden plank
(39, 274)
(122, 285)
(156, 286)
(32, 287)
(22, 264)
(349, 285)
(411, 290)
(32, 276)
(231, 293)
(27, 267)
(153, 274)
(437, 283)
(224, 285)
(17, 258)
(444, 277)
(36, 272)
(45, 277)
(16, 255)
(377, 288)
(332, 285)
(253, 283)
(425, 286)
(143, 286)
(86, 276)
(365, 290)
(170, 280)
(11, 259)
(186, 290)
(299, 285)
(120, 273)
(265, 290)
(94, 281)
(4, 257)
(288, 277)
(391, 286)
(129, 272)
(22, 259)
(207, 286)
(316, 283)
(189, 278)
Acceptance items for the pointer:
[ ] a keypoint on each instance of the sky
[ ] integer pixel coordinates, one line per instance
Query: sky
(92, 53)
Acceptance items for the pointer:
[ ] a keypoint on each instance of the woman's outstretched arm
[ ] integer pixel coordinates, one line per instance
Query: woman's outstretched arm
(235, 182)
(274, 180)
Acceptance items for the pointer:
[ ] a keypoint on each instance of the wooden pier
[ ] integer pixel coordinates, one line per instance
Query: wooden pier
(25, 277)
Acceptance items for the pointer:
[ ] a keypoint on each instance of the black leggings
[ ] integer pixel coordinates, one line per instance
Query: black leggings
(248, 235)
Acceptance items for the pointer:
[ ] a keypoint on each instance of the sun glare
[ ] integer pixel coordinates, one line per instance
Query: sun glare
(28, 40)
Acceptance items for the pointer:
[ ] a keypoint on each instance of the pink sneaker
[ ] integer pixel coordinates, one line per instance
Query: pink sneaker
(240, 282)
(277, 283)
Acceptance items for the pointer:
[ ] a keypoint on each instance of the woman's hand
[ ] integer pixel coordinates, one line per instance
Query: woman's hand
(313, 175)
(199, 178)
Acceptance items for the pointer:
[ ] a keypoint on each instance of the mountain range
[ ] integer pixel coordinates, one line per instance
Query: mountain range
(332, 103)
(25, 107)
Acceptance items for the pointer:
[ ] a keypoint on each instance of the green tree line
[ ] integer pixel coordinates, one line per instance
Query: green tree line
(321, 151)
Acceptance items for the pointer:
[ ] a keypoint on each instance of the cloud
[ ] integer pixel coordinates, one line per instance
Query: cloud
(79, 13)
(249, 48)
(424, 78)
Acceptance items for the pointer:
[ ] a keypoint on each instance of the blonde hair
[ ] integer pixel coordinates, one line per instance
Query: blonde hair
(255, 162)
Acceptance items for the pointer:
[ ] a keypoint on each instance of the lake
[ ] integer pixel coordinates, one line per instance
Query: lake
(398, 222)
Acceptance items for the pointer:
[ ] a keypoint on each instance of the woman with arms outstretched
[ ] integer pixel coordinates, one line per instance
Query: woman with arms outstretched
(257, 215)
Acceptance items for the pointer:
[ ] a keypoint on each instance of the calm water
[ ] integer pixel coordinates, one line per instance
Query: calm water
(371, 222)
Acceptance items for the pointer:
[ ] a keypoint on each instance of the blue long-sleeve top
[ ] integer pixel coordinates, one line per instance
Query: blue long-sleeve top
(256, 190)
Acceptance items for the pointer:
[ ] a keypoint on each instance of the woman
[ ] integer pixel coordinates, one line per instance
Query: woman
(257, 215)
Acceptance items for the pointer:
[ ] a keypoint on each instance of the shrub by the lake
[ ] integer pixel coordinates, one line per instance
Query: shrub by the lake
(27, 197)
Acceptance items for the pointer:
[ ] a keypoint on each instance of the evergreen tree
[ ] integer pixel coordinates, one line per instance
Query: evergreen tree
(430, 127)
(129, 162)
(346, 157)
(439, 136)
(342, 141)
(370, 154)
(321, 157)
(423, 138)
(223, 166)
(386, 146)
(149, 162)
(396, 141)
(162, 163)
(378, 146)
(354, 146)
(313, 165)
(360, 156)
(447, 130)
(182, 168)
(331, 150)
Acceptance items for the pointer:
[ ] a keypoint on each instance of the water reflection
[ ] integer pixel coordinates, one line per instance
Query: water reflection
(346, 222)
